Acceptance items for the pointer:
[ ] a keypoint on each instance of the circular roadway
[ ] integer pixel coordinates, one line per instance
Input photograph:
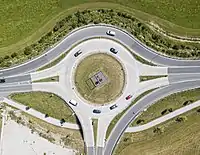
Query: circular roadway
(88, 47)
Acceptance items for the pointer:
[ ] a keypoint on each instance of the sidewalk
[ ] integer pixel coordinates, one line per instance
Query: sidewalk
(40, 115)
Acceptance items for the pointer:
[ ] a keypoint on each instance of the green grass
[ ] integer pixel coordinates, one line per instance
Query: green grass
(95, 128)
(180, 138)
(46, 103)
(145, 78)
(174, 101)
(110, 67)
(19, 19)
(50, 79)
(116, 118)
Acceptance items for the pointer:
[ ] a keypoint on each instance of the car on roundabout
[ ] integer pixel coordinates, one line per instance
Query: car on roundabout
(77, 53)
(110, 33)
(96, 111)
(73, 102)
(113, 50)
(113, 107)
(128, 97)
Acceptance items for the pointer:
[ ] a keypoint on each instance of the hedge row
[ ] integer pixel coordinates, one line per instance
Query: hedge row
(108, 16)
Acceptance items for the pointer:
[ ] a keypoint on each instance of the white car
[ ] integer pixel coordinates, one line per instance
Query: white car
(111, 33)
(73, 102)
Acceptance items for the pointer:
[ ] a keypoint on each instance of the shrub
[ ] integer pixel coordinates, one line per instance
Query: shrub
(13, 54)
(7, 57)
(181, 118)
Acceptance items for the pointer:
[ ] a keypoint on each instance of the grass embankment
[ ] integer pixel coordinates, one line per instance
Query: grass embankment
(167, 105)
(110, 68)
(46, 103)
(116, 118)
(50, 79)
(176, 136)
(14, 28)
(145, 78)
(58, 135)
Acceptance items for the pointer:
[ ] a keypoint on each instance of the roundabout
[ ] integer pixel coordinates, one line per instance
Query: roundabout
(90, 40)
(99, 78)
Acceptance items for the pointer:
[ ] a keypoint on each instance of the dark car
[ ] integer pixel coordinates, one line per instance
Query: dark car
(113, 107)
(77, 53)
(96, 111)
(113, 50)
(128, 97)
(2, 80)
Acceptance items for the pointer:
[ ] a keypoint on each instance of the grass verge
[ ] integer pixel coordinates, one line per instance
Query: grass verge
(49, 79)
(112, 71)
(172, 137)
(145, 78)
(167, 105)
(46, 103)
(116, 118)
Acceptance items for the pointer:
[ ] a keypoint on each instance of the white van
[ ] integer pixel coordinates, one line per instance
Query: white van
(73, 102)
(111, 33)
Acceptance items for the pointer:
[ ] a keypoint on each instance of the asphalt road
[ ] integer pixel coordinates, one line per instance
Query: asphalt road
(90, 32)
(143, 103)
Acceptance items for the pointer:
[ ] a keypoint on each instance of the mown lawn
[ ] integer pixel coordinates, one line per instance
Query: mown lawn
(111, 69)
(180, 138)
(46, 103)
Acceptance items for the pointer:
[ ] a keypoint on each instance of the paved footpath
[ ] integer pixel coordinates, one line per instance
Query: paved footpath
(39, 115)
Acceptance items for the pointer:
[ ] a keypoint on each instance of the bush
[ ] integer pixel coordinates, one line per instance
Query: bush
(140, 121)
(27, 51)
(13, 54)
(7, 57)
(158, 130)
(181, 118)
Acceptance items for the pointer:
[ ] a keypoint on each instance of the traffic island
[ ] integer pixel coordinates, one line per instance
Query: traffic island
(99, 78)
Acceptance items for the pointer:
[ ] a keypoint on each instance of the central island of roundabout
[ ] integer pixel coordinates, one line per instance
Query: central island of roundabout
(99, 78)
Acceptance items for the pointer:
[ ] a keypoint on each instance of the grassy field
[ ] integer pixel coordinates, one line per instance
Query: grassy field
(46, 103)
(180, 138)
(19, 19)
(167, 104)
(50, 79)
(110, 67)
